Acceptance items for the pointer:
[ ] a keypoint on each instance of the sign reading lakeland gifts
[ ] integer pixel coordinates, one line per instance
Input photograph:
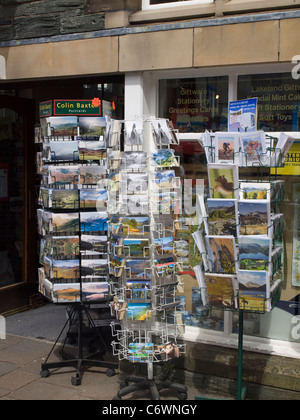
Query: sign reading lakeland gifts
(67, 107)
(77, 107)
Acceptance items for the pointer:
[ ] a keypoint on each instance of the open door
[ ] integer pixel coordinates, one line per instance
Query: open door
(18, 265)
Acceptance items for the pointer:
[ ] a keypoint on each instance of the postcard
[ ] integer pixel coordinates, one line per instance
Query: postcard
(135, 183)
(120, 308)
(255, 191)
(138, 269)
(113, 182)
(254, 290)
(66, 292)
(223, 181)
(65, 269)
(222, 217)
(255, 253)
(136, 225)
(134, 160)
(93, 198)
(164, 179)
(169, 350)
(116, 266)
(255, 217)
(202, 216)
(63, 175)
(164, 158)
(94, 291)
(253, 145)
(182, 248)
(165, 202)
(164, 245)
(140, 352)
(133, 132)
(116, 245)
(227, 147)
(136, 204)
(65, 247)
(93, 244)
(161, 132)
(221, 290)
(200, 243)
(165, 266)
(64, 199)
(222, 254)
(94, 268)
(138, 290)
(283, 146)
(139, 311)
(92, 174)
(65, 222)
(92, 126)
(63, 151)
(63, 126)
(91, 150)
(93, 221)
(136, 247)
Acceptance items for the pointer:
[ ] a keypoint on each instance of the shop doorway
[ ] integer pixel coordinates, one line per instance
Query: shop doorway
(17, 203)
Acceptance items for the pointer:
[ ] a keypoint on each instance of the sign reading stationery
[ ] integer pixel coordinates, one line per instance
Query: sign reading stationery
(67, 107)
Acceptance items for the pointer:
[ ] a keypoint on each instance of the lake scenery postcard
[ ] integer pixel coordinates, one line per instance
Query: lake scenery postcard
(255, 253)
(255, 217)
(253, 290)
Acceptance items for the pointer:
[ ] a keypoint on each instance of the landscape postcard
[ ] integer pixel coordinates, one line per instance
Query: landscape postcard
(136, 247)
(91, 150)
(94, 268)
(92, 174)
(94, 291)
(65, 222)
(164, 158)
(140, 352)
(135, 183)
(253, 290)
(164, 179)
(255, 218)
(63, 126)
(222, 254)
(63, 175)
(65, 247)
(138, 290)
(93, 198)
(134, 160)
(63, 150)
(65, 269)
(221, 290)
(133, 131)
(138, 269)
(255, 253)
(66, 292)
(138, 225)
(135, 204)
(161, 132)
(255, 191)
(95, 221)
(93, 244)
(92, 126)
(64, 199)
(222, 217)
(139, 311)
(164, 245)
(223, 181)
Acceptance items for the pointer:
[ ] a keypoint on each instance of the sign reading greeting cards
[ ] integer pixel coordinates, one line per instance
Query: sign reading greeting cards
(242, 115)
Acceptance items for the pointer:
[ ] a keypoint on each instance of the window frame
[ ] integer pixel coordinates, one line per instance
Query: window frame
(179, 3)
(151, 80)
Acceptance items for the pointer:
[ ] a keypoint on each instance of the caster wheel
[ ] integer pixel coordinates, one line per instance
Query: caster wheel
(110, 373)
(45, 373)
(76, 381)
(182, 396)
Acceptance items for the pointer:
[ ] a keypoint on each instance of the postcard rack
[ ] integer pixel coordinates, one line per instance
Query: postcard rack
(142, 197)
(240, 239)
(72, 223)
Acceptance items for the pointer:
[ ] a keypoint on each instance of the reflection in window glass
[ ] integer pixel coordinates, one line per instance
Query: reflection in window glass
(195, 105)
(278, 100)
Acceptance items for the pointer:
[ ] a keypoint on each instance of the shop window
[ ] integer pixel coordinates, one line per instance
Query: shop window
(149, 4)
(195, 105)
(278, 100)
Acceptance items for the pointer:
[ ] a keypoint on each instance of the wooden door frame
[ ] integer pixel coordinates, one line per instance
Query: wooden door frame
(15, 296)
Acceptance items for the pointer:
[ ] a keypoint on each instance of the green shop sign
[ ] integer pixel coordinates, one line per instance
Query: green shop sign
(80, 107)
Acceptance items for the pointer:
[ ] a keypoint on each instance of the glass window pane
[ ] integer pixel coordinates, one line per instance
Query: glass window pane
(278, 100)
(195, 105)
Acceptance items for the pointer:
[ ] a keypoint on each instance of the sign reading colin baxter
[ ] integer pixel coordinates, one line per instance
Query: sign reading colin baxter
(85, 107)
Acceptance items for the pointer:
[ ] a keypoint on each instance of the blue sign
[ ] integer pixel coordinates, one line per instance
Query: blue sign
(242, 115)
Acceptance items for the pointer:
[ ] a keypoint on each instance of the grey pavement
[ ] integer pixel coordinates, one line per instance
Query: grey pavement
(29, 340)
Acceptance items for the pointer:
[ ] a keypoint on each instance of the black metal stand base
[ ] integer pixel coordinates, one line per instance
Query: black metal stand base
(152, 385)
(76, 318)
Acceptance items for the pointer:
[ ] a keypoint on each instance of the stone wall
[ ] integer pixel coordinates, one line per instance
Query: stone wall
(23, 19)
